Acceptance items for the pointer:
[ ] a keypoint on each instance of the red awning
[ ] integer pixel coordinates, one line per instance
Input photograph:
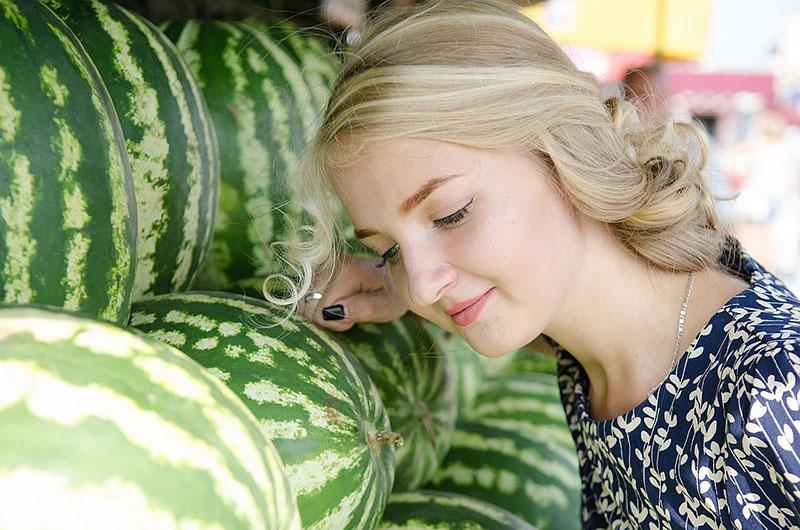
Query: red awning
(717, 93)
(719, 83)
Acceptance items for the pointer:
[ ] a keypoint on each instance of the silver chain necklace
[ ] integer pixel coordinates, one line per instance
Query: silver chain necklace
(681, 322)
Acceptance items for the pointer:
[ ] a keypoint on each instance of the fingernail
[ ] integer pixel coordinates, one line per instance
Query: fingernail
(333, 312)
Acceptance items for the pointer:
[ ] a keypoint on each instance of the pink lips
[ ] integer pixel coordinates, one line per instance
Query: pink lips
(465, 313)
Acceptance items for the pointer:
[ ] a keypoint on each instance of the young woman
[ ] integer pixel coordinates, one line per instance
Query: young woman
(505, 199)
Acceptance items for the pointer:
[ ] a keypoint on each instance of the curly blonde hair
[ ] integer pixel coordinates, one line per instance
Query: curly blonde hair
(421, 72)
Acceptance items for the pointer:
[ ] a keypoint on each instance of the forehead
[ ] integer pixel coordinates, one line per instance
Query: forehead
(394, 167)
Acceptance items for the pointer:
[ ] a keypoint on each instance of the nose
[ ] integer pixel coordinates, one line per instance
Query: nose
(427, 275)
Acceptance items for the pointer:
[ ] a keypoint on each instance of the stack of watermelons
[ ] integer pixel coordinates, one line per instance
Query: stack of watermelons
(143, 173)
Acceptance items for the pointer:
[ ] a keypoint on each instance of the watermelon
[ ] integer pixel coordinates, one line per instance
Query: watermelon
(471, 368)
(537, 357)
(103, 427)
(441, 510)
(311, 397)
(168, 135)
(514, 450)
(252, 287)
(262, 111)
(524, 401)
(466, 365)
(67, 209)
(527, 361)
(312, 53)
(415, 385)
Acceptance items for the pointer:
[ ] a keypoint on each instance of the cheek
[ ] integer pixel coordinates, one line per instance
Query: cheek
(400, 282)
(528, 246)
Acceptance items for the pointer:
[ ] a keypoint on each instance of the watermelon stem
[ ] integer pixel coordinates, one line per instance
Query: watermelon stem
(383, 437)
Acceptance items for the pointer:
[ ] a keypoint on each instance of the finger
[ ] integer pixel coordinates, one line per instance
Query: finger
(373, 306)
(309, 305)
(357, 294)
(353, 280)
(342, 314)
(361, 307)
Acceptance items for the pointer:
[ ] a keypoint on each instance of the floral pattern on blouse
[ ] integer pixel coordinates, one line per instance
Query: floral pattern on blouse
(717, 444)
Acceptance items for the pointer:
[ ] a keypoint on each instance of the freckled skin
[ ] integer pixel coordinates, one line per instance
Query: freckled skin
(518, 236)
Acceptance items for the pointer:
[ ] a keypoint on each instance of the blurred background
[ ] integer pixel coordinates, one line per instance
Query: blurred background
(733, 66)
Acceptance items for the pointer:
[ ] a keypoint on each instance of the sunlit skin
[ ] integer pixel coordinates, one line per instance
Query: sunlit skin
(550, 269)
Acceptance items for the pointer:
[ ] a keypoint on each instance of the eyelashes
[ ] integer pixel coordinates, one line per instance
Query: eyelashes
(453, 218)
(386, 256)
(449, 221)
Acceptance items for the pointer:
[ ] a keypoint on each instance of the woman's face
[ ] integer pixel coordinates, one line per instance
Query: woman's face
(466, 228)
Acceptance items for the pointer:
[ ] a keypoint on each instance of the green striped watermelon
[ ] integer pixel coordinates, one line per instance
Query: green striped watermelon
(471, 368)
(311, 397)
(514, 450)
(168, 135)
(537, 357)
(314, 55)
(67, 210)
(527, 361)
(415, 385)
(262, 111)
(106, 428)
(465, 363)
(527, 402)
(441, 510)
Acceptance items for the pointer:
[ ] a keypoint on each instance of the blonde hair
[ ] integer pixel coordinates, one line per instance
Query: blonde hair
(422, 72)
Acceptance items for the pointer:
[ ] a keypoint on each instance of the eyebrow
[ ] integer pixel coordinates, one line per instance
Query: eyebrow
(412, 202)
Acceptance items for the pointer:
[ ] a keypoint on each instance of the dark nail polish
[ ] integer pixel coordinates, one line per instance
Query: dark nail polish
(333, 312)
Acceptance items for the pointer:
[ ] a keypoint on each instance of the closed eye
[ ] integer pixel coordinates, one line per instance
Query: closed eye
(453, 218)
(449, 221)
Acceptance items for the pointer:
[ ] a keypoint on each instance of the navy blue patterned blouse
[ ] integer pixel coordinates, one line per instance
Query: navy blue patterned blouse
(717, 445)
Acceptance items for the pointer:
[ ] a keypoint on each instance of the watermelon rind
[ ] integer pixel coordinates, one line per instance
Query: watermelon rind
(466, 366)
(104, 427)
(442, 510)
(514, 449)
(168, 136)
(415, 385)
(312, 398)
(263, 113)
(67, 209)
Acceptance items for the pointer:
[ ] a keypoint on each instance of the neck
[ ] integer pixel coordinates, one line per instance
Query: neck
(620, 321)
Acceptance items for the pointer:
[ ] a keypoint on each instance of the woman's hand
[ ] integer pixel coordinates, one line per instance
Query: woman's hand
(361, 293)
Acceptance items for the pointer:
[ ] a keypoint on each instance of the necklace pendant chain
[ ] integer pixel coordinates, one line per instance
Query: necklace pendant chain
(681, 322)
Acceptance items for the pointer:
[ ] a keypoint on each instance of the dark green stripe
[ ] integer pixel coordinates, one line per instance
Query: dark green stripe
(539, 512)
(209, 152)
(324, 362)
(36, 139)
(81, 367)
(230, 237)
(442, 510)
(503, 387)
(416, 387)
(310, 55)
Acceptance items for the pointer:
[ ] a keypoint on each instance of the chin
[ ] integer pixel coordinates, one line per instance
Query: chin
(492, 349)
(497, 346)
(485, 346)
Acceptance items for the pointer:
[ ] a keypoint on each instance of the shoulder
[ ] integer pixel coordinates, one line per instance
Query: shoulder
(766, 406)
(763, 428)
(770, 383)
(766, 332)
(765, 317)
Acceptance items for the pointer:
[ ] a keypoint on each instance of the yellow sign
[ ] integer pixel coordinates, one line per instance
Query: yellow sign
(673, 29)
